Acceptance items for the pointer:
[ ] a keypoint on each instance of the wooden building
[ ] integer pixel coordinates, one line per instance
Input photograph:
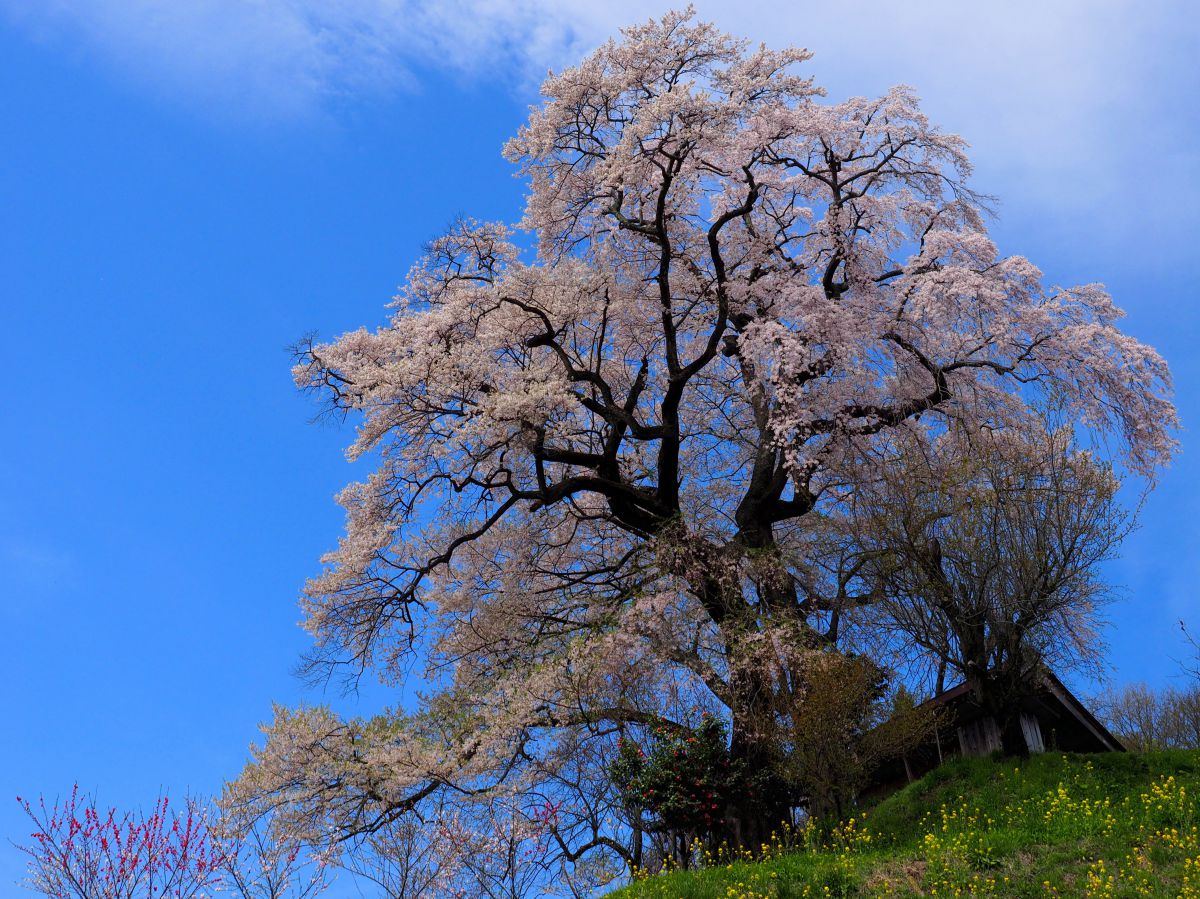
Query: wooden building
(1052, 719)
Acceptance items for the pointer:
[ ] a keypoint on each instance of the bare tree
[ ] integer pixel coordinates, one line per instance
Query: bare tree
(1182, 717)
(1148, 720)
(1192, 666)
(396, 859)
(987, 545)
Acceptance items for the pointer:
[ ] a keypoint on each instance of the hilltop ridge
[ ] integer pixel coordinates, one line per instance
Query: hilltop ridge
(1107, 825)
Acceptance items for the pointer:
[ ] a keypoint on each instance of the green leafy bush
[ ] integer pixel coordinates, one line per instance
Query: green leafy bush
(687, 780)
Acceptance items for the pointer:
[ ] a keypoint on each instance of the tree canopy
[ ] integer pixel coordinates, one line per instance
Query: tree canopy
(608, 464)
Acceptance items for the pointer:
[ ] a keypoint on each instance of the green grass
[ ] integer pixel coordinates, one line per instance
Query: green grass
(1111, 825)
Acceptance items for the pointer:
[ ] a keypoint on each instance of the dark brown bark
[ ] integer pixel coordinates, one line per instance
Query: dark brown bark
(754, 748)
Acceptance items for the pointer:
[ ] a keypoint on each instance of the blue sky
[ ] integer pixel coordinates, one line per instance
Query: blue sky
(188, 188)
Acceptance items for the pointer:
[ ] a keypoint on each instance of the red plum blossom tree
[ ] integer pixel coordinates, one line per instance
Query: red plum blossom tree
(82, 851)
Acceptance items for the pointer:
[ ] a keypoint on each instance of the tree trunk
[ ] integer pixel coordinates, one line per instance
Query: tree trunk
(1002, 701)
(766, 805)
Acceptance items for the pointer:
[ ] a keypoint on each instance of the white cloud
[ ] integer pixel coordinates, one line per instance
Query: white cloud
(1067, 96)
(300, 49)
(288, 56)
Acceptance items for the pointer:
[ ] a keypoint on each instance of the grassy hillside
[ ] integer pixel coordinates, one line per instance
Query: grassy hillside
(1109, 825)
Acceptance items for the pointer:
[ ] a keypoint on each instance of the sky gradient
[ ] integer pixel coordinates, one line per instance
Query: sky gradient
(188, 189)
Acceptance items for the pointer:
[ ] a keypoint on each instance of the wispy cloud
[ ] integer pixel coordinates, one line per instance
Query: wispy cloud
(1070, 93)
(298, 50)
(291, 56)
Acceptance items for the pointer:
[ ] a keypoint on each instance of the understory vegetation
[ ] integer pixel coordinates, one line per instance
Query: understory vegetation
(1112, 825)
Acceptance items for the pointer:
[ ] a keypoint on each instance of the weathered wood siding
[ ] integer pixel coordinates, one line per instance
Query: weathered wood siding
(1033, 733)
(979, 737)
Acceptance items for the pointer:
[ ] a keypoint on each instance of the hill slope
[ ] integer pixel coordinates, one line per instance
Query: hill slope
(1110, 825)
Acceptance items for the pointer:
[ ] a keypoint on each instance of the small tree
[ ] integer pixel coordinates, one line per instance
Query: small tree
(259, 862)
(1191, 666)
(397, 859)
(987, 546)
(82, 851)
(1182, 717)
(690, 783)
(844, 726)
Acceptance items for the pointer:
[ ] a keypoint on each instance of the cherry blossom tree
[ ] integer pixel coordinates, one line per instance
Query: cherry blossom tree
(258, 861)
(605, 464)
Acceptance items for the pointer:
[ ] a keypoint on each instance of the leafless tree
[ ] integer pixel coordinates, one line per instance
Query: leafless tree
(1191, 667)
(395, 859)
(1148, 720)
(987, 546)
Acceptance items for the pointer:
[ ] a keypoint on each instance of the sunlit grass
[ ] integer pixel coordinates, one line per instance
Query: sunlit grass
(1111, 825)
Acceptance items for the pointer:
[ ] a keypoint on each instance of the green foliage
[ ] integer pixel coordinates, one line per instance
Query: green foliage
(1111, 825)
(842, 727)
(685, 779)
